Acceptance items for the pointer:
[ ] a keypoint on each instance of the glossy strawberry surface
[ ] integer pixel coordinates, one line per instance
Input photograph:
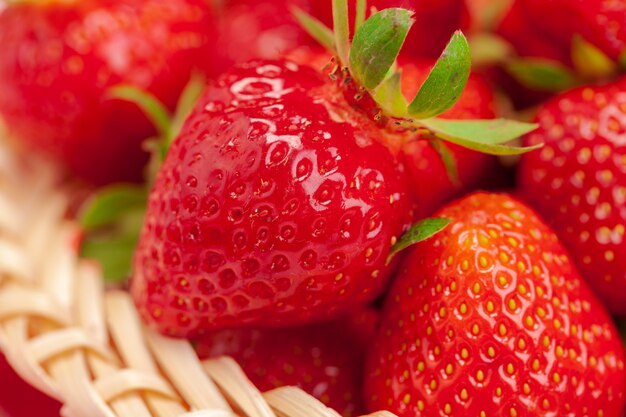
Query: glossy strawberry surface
(325, 360)
(277, 204)
(474, 169)
(435, 22)
(578, 182)
(58, 61)
(490, 318)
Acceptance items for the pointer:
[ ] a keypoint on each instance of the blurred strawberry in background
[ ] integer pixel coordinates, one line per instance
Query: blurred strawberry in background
(59, 61)
(251, 29)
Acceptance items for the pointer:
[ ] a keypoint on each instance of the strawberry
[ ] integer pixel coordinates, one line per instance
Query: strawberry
(474, 168)
(600, 22)
(584, 45)
(60, 58)
(18, 399)
(286, 188)
(490, 318)
(525, 33)
(270, 29)
(298, 203)
(436, 21)
(314, 358)
(578, 182)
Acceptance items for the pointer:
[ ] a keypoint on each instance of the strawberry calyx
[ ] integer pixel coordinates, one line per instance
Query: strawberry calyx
(112, 218)
(369, 59)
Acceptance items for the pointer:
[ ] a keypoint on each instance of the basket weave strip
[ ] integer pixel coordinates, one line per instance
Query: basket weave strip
(68, 336)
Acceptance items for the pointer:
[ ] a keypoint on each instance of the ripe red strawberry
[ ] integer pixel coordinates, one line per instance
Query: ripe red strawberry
(578, 182)
(277, 204)
(525, 32)
(281, 199)
(325, 360)
(59, 59)
(18, 399)
(435, 22)
(600, 22)
(490, 318)
(270, 29)
(475, 169)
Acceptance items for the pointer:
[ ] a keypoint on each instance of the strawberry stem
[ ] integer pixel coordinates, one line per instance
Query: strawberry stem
(342, 30)
(361, 6)
(149, 105)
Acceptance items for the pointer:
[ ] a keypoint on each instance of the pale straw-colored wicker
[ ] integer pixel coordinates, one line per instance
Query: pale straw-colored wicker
(84, 345)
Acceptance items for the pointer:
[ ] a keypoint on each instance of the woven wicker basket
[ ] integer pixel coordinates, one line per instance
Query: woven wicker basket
(68, 336)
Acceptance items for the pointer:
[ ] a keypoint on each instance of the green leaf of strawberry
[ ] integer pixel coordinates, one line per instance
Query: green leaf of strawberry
(372, 65)
(106, 207)
(447, 157)
(590, 61)
(446, 82)
(156, 112)
(419, 232)
(376, 45)
(542, 74)
(114, 254)
(318, 31)
(389, 95)
(112, 220)
(342, 30)
(486, 136)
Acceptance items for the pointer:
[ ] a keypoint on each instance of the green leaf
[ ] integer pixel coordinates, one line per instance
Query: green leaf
(186, 102)
(376, 45)
(446, 81)
(489, 49)
(341, 28)
(361, 5)
(115, 255)
(448, 159)
(542, 74)
(589, 61)
(389, 96)
(112, 203)
(419, 232)
(316, 29)
(148, 103)
(485, 136)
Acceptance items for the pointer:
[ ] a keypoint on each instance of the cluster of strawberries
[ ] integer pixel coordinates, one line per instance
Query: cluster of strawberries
(279, 207)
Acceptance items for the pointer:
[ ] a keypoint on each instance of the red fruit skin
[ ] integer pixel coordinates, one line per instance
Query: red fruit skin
(58, 61)
(277, 204)
(490, 316)
(326, 360)
(578, 182)
(435, 22)
(475, 169)
(526, 33)
(600, 22)
(270, 30)
(18, 399)
(529, 40)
